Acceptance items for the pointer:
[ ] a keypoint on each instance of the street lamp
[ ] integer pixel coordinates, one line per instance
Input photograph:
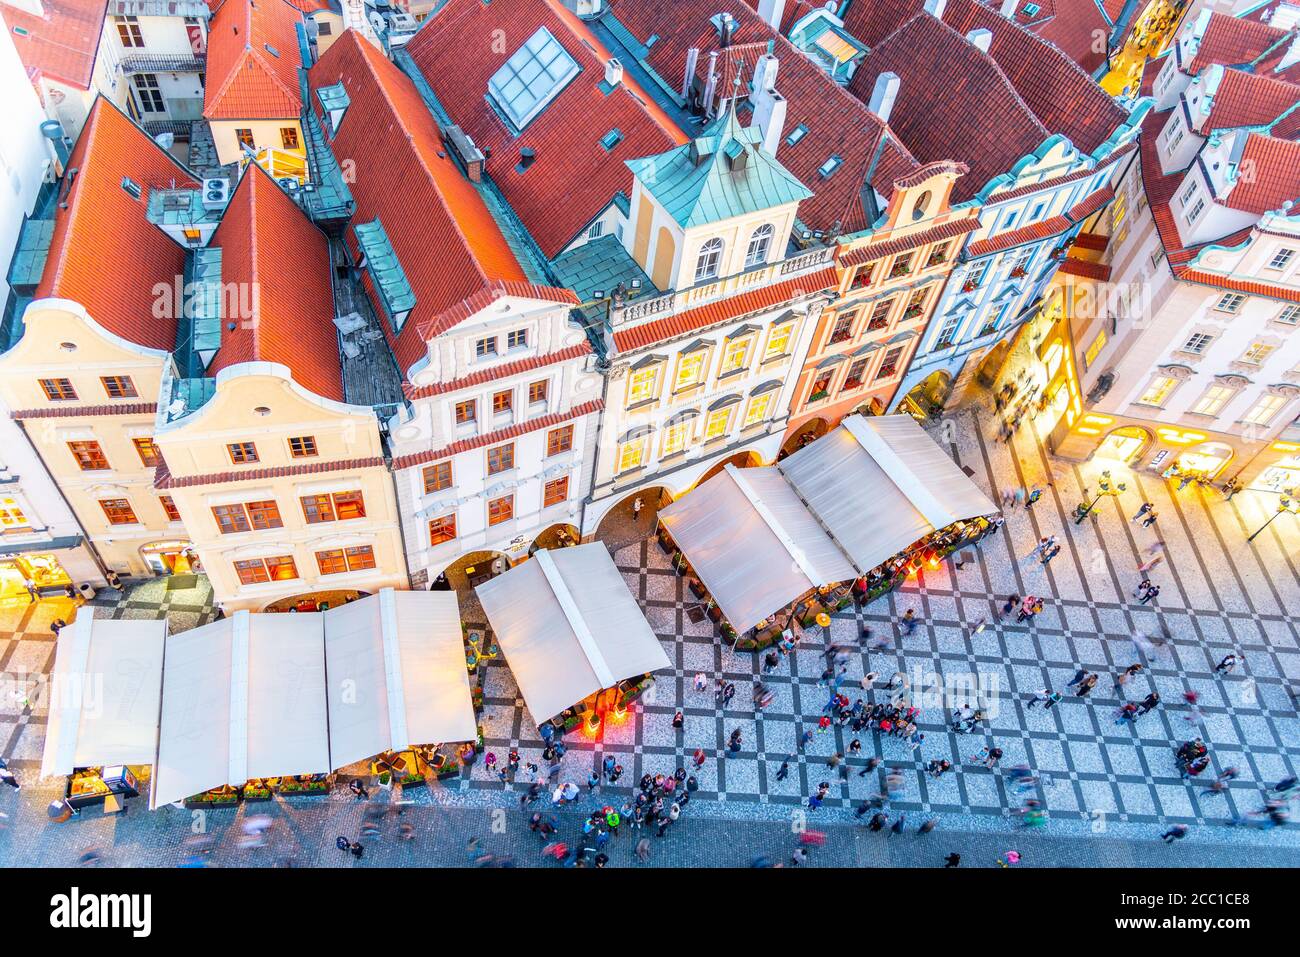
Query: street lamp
(1104, 489)
(1285, 505)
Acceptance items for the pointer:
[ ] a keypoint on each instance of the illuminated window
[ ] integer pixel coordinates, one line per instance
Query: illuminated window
(252, 572)
(718, 423)
(1258, 352)
(242, 452)
(331, 562)
(11, 515)
(118, 386)
(1215, 398)
(338, 560)
(442, 529)
(59, 390)
(675, 437)
(1159, 390)
(264, 515)
(631, 455)
(148, 452)
(169, 508)
(259, 570)
(501, 458)
(643, 385)
(1094, 350)
(757, 410)
(349, 505)
(289, 137)
(690, 369)
(317, 508)
(302, 446)
(503, 401)
(90, 457)
(245, 137)
(778, 341)
(341, 506)
(1265, 410)
(555, 491)
(437, 477)
(559, 440)
(118, 511)
(736, 355)
(501, 509)
(281, 568)
(466, 411)
(537, 392)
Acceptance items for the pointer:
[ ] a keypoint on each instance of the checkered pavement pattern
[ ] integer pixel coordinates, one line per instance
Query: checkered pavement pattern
(1219, 595)
(27, 651)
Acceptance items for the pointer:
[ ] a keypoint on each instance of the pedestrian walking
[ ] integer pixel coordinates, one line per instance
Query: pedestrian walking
(359, 789)
(1034, 495)
(1009, 604)
(952, 860)
(1122, 678)
(1150, 519)
(1148, 703)
(643, 850)
(1050, 554)
(928, 825)
(679, 720)
(1151, 593)
(1175, 833)
(1143, 587)
(783, 771)
(637, 505)
(1141, 512)
(8, 777)
(909, 621)
(899, 825)
(698, 758)
(1226, 666)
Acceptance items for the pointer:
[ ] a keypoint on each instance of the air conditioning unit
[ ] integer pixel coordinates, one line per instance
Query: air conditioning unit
(403, 23)
(288, 183)
(216, 194)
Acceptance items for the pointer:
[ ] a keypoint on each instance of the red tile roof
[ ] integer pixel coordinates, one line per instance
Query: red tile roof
(1047, 227)
(77, 411)
(488, 295)
(1245, 99)
(838, 123)
(1233, 41)
(453, 249)
(1085, 269)
(573, 177)
(891, 247)
(500, 435)
(724, 310)
(62, 44)
(163, 478)
(501, 371)
(104, 253)
(253, 61)
(1275, 164)
(1070, 25)
(1270, 290)
(1061, 94)
(929, 56)
(269, 245)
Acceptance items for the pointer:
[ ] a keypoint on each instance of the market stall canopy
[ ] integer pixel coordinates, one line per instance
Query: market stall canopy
(104, 694)
(568, 627)
(241, 698)
(880, 483)
(397, 674)
(753, 543)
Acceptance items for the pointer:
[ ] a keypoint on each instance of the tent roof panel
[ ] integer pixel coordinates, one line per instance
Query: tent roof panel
(357, 701)
(287, 730)
(435, 682)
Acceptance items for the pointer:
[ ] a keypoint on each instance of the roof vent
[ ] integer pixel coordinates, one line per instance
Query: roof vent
(613, 71)
(725, 24)
(272, 50)
(134, 189)
(527, 156)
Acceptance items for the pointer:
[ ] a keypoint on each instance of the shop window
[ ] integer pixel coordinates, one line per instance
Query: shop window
(302, 446)
(118, 511)
(537, 392)
(242, 453)
(555, 492)
(118, 386)
(230, 519)
(757, 410)
(501, 509)
(889, 367)
(59, 390)
(503, 401)
(289, 137)
(262, 515)
(501, 458)
(442, 529)
(437, 477)
(90, 457)
(150, 457)
(466, 411)
(559, 440)
(169, 508)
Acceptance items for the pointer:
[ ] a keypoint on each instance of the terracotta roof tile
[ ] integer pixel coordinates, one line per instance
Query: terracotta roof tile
(268, 244)
(1233, 41)
(875, 251)
(1270, 290)
(1032, 233)
(1085, 269)
(75, 411)
(163, 478)
(453, 249)
(500, 435)
(104, 253)
(1245, 99)
(253, 61)
(724, 310)
(501, 371)
(838, 123)
(1276, 180)
(62, 44)
(573, 177)
(1070, 25)
(488, 295)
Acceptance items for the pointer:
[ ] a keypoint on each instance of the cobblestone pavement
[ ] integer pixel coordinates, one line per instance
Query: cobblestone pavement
(1110, 789)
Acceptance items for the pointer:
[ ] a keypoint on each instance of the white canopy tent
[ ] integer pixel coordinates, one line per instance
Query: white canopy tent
(569, 627)
(397, 674)
(103, 694)
(276, 695)
(753, 543)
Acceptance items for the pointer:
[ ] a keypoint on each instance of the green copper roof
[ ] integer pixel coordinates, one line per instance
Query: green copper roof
(718, 175)
(384, 268)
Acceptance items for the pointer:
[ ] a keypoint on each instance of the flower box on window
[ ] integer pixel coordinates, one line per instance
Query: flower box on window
(818, 396)
(1018, 272)
(970, 285)
(900, 269)
(850, 384)
(911, 312)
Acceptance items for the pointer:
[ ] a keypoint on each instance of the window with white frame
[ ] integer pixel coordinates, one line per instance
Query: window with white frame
(1159, 391)
(1197, 343)
(1281, 259)
(1265, 410)
(1258, 353)
(1214, 399)
(947, 332)
(709, 260)
(1290, 315)
(1194, 213)
(759, 244)
(1230, 302)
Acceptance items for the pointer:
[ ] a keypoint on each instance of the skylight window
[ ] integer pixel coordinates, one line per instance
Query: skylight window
(132, 187)
(830, 166)
(531, 78)
(796, 134)
(611, 139)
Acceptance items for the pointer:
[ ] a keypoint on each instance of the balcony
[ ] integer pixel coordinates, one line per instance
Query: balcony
(163, 63)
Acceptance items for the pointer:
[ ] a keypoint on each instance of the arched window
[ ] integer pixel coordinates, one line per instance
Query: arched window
(759, 243)
(710, 258)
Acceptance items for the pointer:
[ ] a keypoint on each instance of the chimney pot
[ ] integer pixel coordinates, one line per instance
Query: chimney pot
(771, 12)
(935, 8)
(883, 95)
(1009, 8)
(613, 71)
(980, 38)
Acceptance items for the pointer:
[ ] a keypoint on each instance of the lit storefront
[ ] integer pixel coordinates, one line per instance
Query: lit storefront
(43, 569)
(1282, 474)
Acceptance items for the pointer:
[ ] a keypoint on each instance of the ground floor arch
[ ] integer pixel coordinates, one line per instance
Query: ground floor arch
(626, 522)
(741, 460)
(559, 535)
(1124, 444)
(471, 570)
(926, 399)
(320, 600)
(807, 432)
(170, 557)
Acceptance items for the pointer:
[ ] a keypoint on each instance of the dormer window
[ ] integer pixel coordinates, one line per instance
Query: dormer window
(759, 245)
(709, 261)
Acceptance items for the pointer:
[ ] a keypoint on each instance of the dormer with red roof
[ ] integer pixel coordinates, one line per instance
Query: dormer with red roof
(1235, 43)
(252, 97)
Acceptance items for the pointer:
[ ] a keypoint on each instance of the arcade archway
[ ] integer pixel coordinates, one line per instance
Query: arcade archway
(625, 523)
